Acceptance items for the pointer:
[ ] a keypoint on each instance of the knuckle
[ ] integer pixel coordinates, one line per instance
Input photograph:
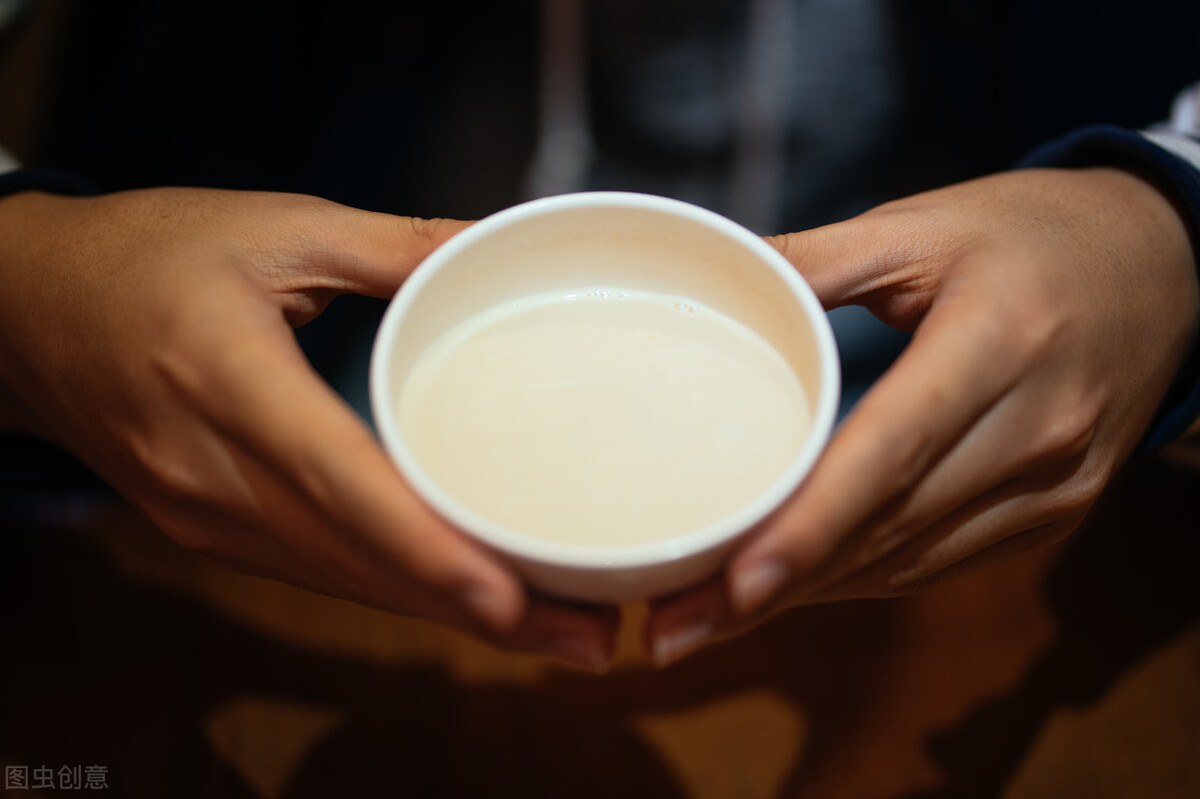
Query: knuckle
(420, 227)
(1038, 337)
(420, 236)
(887, 535)
(788, 245)
(1069, 432)
(1026, 327)
(908, 452)
(1076, 496)
(1089, 491)
(162, 473)
(432, 231)
(1026, 340)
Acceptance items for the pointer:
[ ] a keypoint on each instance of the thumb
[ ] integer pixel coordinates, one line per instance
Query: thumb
(827, 258)
(847, 261)
(372, 253)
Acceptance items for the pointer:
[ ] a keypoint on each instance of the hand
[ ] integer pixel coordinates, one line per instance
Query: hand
(1051, 310)
(149, 332)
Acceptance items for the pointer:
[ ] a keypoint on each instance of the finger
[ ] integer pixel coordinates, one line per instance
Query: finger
(848, 261)
(978, 535)
(234, 505)
(936, 392)
(1041, 509)
(681, 624)
(368, 253)
(1005, 548)
(264, 395)
(584, 637)
(883, 582)
(232, 536)
(1007, 443)
(828, 258)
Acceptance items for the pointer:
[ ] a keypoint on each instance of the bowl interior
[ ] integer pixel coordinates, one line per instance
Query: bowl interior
(607, 242)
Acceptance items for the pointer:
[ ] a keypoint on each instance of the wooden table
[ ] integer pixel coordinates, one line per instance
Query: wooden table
(1072, 672)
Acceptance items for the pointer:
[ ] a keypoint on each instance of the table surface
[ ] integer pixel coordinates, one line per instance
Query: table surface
(1074, 671)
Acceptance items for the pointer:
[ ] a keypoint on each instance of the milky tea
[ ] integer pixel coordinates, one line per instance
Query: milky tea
(603, 417)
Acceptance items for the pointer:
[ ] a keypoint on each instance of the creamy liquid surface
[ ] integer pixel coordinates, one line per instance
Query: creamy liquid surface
(603, 418)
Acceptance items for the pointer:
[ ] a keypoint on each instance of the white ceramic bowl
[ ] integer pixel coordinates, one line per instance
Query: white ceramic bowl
(631, 242)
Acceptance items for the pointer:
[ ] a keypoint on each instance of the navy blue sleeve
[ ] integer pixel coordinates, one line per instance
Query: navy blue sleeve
(1101, 145)
(49, 180)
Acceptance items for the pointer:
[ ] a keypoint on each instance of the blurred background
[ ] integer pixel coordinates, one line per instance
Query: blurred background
(1072, 672)
(783, 114)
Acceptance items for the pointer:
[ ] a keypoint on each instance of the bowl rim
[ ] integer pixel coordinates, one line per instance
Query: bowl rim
(597, 556)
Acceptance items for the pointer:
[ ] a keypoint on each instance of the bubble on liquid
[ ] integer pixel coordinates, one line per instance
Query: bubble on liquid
(603, 294)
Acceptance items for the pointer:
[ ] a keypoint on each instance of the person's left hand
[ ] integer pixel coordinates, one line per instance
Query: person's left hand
(1051, 310)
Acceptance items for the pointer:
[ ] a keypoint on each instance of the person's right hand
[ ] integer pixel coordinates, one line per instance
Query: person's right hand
(150, 333)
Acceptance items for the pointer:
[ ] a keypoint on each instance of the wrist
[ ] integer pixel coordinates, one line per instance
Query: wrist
(1178, 180)
(31, 241)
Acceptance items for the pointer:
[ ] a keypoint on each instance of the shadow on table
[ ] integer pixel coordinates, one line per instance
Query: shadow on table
(1126, 587)
(101, 669)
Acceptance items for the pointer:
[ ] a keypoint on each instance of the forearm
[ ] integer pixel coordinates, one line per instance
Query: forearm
(19, 242)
